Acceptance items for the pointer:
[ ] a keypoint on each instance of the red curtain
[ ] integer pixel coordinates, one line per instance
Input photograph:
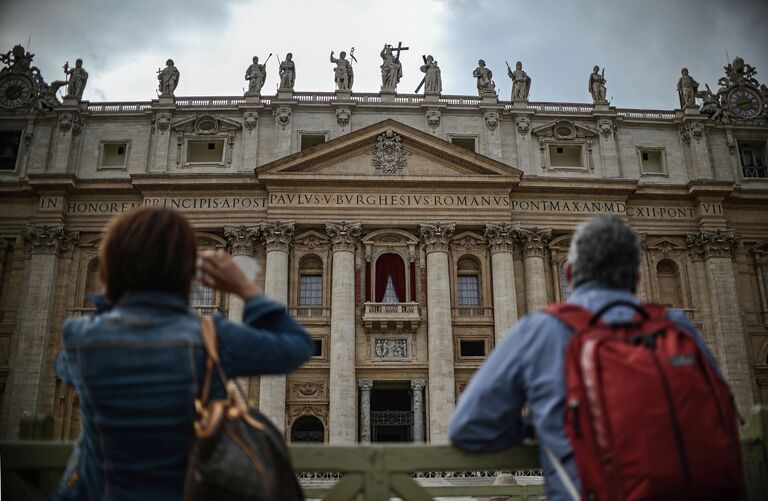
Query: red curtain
(413, 281)
(367, 281)
(390, 265)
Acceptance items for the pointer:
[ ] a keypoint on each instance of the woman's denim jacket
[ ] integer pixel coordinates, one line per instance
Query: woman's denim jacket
(137, 369)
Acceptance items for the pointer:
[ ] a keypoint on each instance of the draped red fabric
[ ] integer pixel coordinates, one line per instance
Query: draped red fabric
(367, 281)
(386, 265)
(413, 281)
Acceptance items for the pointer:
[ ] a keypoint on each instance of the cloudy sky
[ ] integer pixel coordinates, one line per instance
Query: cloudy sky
(641, 43)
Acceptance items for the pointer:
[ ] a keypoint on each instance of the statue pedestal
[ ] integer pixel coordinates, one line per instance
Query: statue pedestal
(343, 95)
(255, 99)
(521, 104)
(602, 106)
(285, 94)
(387, 94)
(489, 99)
(691, 110)
(71, 101)
(431, 97)
(166, 100)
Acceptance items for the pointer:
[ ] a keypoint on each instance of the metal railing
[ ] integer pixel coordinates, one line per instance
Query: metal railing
(376, 472)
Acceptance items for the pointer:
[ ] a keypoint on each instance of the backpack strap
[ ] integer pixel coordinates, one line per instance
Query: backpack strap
(654, 311)
(571, 314)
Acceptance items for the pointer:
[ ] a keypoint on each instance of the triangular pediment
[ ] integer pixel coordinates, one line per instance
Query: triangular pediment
(388, 151)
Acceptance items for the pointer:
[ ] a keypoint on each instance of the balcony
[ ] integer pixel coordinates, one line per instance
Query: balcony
(472, 315)
(375, 472)
(311, 314)
(391, 316)
(206, 310)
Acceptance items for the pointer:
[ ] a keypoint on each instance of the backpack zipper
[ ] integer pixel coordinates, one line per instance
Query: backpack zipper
(675, 423)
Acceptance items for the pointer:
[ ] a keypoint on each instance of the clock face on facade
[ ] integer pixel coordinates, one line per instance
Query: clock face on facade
(15, 90)
(744, 102)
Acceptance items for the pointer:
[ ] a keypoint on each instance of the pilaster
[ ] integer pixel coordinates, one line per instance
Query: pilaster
(534, 244)
(501, 241)
(161, 135)
(417, 405)
(365, 386)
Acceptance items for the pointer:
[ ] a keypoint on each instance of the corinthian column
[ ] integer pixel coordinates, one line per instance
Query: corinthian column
(43, 244)
(442, 397)
(534, 243)
(343, 392)
(241, 241)
(715, 249)
(501, 240)
(276, 237)
(365, 409)
(417, 406)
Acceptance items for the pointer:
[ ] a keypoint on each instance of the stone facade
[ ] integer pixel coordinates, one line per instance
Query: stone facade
(481, 226)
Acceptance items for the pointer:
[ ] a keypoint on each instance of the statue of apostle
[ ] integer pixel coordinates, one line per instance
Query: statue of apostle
(343, 72)
(521, 82)
(77, 79)
(287, 73)
(597, 85)
(169, 79)
(256, 74)
(391, 69)
(485, 84)
(433, 82)
(687, 88)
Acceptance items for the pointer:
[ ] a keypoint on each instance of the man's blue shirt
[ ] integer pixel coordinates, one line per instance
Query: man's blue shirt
(528, 367)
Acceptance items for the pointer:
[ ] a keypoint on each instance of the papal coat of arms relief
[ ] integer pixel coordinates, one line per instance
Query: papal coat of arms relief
(389, 156)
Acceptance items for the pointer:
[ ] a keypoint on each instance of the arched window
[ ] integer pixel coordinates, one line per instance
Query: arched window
(390, 279)
(565, 288)
(670, 290)
(310, 281)
(308, 429)
(468, 282)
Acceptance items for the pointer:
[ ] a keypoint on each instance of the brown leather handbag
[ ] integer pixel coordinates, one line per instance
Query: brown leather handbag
(238, 453)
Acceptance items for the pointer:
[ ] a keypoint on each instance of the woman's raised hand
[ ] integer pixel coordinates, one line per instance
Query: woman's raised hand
(219, 271)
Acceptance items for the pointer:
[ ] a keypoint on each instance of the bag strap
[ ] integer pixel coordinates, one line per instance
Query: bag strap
(573, 492)
(208, 334)
(571, 314)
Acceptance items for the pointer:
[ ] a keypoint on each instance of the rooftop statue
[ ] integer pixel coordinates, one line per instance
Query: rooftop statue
(169, 79)
(78, 77)
(597, 85)
(256, 74)
(344, 75)
(287, 72)
(521, 82)
(485, 84)
(432, 81)
(687, 89)
(22, 85)
(391, 68)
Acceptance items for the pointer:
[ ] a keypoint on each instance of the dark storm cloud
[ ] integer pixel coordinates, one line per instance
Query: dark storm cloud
(642, 44)
(103, 32)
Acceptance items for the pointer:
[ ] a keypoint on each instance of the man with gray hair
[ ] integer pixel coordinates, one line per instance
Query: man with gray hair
(528, 364)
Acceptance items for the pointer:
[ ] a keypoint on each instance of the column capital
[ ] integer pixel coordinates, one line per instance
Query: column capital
(502, 236)
(707, 244)
(50, 239)
(277, 235)
(436, 236)
(365, 384)
(418, 384)
(344, 235)
(241, 239)
(534, 241)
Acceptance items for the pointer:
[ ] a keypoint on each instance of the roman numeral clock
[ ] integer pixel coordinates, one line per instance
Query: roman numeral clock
(744, 102)
(15, 90)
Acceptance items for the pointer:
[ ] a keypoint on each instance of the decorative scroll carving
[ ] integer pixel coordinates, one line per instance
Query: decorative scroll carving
(389, 156)
(250, 119)
(468, 242)
(390, 348)
(433, 118)
(418, 385)
(277, 235)
(436, 236)
(502, 236)
(342, 116)
(308, 389)
(344, 235)
(162, 121)
(241, 239)
(523, 125)
(50, 239)
(606, 127)
(318, 411)
(491, 119)
(707, 244)
(283, 116)
(534, 241)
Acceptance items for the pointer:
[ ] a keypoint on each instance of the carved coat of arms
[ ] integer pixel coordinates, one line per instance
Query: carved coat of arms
(389, 156)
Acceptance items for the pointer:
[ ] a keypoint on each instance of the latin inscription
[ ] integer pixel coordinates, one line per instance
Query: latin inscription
(186, 204)
(386, 200)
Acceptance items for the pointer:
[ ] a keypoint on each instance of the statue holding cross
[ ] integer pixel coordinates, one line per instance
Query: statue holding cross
(391, 68)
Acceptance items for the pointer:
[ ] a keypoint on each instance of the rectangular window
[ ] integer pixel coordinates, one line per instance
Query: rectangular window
(113, 154)
(9, 149)
(474, 348)
(565, 156)
(311, 290)
(652, 161)
(200, 295)
(464, 142)
(753, 159)
(209, 151)
(310, 140)
(468, 290)
(318, 351)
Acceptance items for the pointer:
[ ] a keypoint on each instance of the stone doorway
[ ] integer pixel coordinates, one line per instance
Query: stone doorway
(391, 413)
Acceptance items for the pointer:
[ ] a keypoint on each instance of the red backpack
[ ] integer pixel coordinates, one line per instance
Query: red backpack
(646, 413)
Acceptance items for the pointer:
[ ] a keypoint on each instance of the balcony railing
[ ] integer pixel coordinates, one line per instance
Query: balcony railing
(485, 312)
(207, 310)
(391, 315)
(311, 314)
(375, 472)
